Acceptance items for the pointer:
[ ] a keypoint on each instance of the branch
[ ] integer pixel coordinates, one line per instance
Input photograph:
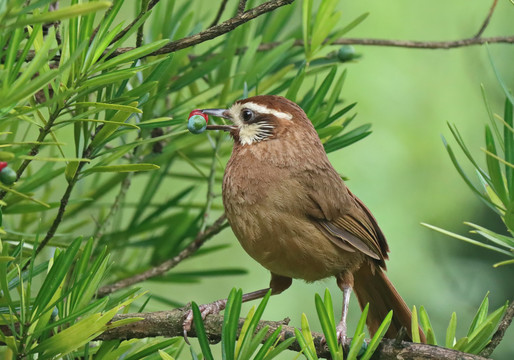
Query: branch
(162, 268)
(220, 12)
(241, 7)
(216, 30)
(140, 35)
(451, 44)
(62, 206)
(426, 44)
(143, 11)
(88, 153)
(242, 17)
(500, 332)
(411, 44)
(169, 324)
(487, 19)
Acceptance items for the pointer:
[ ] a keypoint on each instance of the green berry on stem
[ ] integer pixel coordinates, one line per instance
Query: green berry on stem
(7, 176)
(346, 53)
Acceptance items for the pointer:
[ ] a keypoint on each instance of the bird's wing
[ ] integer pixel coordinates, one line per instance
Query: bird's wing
(345, 220)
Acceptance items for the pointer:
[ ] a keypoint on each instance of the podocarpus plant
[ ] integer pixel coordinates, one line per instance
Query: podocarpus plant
(82, 118)
(93, 109)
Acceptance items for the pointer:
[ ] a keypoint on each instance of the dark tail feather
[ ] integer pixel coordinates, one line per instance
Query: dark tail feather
(372, 286)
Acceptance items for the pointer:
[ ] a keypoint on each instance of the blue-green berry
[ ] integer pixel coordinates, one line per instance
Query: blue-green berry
(346, 53)
(7, 176)
(196, 124)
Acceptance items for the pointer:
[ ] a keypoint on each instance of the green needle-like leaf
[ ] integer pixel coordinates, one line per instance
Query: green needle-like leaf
(306, 27)
(375, 341)
(450, 332)
(466, 239)
(493, 167)
(326, 318)
(131, 55)
(415, 326)
(362, 321)
(122, 168)
(480, 340)
(498, 239)
(480, 315)
(267, 346)
(356, 346)
(61, 14)
(305, 346)
(200, 332)
(461, 343)
(108, 129)
(427, 326)
(230, 324)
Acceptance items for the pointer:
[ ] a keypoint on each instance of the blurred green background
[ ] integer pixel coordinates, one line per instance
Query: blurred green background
(402, 171)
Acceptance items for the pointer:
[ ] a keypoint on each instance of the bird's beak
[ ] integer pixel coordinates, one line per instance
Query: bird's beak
(222, 113)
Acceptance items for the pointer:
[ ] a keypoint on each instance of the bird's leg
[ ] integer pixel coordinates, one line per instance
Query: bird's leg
(341, 327)
(345, 283)
(277, 285)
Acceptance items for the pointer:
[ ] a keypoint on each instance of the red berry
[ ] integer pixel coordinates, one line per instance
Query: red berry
(2, 165)
(199, 112)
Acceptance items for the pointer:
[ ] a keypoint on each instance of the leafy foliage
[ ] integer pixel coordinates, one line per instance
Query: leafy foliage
(58, 315)
(496, 181)
(358, 347)
(479, 333)
(249, 338)
(83, 116)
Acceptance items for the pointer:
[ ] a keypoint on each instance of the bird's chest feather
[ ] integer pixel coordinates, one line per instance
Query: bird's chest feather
(266, 208)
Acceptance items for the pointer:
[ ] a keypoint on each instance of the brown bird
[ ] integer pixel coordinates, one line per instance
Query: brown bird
(292, 212)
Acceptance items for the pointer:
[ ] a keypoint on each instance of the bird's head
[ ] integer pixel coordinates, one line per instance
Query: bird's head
(260, 118)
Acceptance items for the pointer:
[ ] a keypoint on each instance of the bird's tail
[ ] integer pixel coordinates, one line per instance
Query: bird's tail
(372, 286)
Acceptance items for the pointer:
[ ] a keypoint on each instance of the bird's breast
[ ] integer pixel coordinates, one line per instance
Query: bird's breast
(266, 209)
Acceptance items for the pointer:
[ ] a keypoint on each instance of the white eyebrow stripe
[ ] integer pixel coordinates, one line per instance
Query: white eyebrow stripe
(264, 110)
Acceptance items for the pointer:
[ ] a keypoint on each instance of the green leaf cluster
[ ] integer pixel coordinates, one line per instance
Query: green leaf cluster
(495, 185)
(54, 314)
(359, 348)
(479, 333)
(249, 339)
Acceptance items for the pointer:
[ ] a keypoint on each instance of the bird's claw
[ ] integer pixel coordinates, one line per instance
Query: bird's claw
(341, 337)
(323, 341)
(341, 333)
(205, 309)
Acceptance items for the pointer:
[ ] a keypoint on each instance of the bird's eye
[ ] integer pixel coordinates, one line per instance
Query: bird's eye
(247, 115)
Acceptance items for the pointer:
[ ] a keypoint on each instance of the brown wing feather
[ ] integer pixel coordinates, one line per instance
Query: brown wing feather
(349, 231)
(380, 237)
(345, 220)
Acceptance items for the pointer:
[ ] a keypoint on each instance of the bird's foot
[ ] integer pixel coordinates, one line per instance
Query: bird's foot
(341, 335)
(341, 332)
(205, 309)
(323, 341)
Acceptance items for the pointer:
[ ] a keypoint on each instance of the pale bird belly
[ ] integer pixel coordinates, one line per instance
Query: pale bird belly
(290, 246)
